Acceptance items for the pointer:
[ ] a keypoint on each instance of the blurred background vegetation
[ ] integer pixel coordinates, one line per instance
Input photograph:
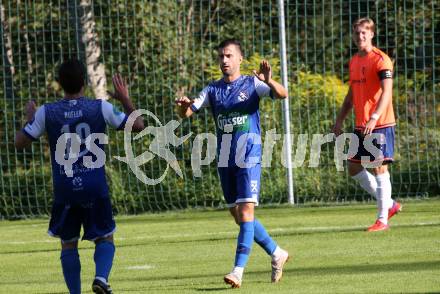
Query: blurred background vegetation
(167, 49)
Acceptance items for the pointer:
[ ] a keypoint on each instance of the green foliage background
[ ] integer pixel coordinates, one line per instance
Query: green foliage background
(167, 48)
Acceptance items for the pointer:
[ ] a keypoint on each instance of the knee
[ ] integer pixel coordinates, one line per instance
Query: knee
(380, 170)
(245, 213)
(104, 239)
(354, 168)
(69, 245)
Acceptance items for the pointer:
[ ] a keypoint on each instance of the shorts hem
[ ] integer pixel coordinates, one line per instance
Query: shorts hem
(74, 239)
(102, 236)
(387, 159)
(242, 200)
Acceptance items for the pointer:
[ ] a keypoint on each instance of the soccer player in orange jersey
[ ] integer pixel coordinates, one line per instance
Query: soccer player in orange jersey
(370, 96)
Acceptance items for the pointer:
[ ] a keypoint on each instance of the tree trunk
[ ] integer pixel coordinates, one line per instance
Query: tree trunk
(8, 61)
(95, 70)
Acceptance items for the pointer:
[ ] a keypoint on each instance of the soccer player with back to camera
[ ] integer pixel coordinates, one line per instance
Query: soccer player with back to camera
(81, 196)
(234, 102)
(370, 95)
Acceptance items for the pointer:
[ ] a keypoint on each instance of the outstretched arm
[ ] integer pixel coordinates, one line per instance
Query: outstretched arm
(265, 74)
(121, 94)
(184, 107)
(21, 139)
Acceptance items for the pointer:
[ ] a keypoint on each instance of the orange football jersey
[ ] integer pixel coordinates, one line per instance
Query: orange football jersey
(366, 87)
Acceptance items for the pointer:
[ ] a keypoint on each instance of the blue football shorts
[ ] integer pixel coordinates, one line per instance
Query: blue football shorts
(385, 144)
(240, 185)
(95, 217)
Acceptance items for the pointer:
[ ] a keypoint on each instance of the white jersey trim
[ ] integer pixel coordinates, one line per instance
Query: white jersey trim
(112, 115)
(36, 128)
(201, 100)
(263, 90)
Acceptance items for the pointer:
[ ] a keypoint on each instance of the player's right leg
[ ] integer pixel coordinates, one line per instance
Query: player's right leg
(103, 257)
(99, 227)
(65, 223)
(243, 215)
(245, 239)
(365, 179)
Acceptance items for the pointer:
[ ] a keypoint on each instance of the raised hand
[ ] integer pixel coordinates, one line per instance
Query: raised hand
(265, 72)
(184, 102)
(121, 89)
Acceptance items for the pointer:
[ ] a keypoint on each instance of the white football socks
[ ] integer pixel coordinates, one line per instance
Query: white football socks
(367, 181)
(383, 192)
(238, 271)
(276, 253)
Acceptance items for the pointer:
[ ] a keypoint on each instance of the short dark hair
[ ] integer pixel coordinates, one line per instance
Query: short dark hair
(71, 76)
(228, 42)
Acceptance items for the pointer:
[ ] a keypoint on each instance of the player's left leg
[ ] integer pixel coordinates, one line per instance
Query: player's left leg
(65, 223)
(248, 187)
(279, 256)
(71, 266)
(384, 201)
(385, 205)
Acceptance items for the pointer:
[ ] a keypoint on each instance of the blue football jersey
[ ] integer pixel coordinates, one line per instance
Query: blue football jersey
(82, 116)
(235, 107)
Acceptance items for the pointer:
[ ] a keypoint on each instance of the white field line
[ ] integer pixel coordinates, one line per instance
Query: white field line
(140, 267)
(225, 233)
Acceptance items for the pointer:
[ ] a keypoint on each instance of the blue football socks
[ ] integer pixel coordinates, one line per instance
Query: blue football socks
(104, 253)
(244, 243)
(71, 269)
(263, 239)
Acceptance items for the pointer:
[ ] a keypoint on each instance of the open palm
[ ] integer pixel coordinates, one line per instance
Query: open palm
(265, 72)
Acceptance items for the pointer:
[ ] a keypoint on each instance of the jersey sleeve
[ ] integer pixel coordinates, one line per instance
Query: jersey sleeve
(384, 63)
(263, 90)
(202, 100)
(35, 128)
(113, 116)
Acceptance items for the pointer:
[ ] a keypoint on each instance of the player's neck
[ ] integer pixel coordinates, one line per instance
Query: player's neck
(231, 78)
(365, 50)
(73, 96)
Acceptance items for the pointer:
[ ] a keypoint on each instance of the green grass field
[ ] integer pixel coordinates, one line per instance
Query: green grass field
(189, 252)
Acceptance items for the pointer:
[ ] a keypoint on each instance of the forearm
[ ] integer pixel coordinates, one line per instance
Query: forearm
(278, 90)
(128, 106)
(22, 141)
(345, 109)
(385, 97)
(384, 100)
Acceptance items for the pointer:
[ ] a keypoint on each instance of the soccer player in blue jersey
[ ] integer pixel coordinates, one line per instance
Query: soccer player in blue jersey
(81, 196)
(234, 102)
